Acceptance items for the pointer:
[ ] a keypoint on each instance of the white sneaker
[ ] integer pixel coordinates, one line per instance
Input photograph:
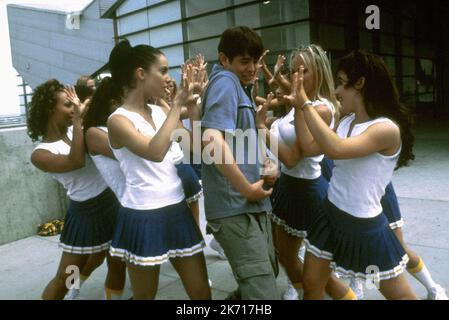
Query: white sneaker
(73, 294)
(290, 293)
(216, 246)
(357, 286)
(437, 293)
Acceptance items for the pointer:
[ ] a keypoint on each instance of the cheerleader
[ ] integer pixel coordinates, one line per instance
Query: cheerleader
(97, 144)
(84, 91)
(154, 223)
(352, 235)
(55, 118)
(415, 266)
(301, 190)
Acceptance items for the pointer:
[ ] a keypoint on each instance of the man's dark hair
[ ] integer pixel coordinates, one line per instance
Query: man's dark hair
(239, 41)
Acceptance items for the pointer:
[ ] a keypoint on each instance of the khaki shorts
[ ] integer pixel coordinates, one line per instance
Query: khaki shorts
(248, 244)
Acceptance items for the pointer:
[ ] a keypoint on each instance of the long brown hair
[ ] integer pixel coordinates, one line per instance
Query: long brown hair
(380, 95)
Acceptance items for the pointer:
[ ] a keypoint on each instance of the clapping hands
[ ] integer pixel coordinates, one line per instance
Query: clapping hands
(298, 95)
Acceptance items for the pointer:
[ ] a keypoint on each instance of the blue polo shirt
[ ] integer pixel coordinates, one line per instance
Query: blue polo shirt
(228, 108)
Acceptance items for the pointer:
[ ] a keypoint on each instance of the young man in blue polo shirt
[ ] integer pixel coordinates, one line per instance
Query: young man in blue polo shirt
(236, 200)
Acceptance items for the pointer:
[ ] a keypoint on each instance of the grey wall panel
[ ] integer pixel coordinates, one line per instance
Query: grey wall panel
(139, 38)
(31, 65)
(133, 23)
(164, 13)
(153, 17)
(104, 5)
(164, 36)
(35, 19)
(42, 47)
(92, 11)
(90, 49)
(65, 76)
(77, 64)
(194, 7)
(129, 6)
(37, 52)
(31, 35)
(151, 2)
(91, 29)
(175, 55)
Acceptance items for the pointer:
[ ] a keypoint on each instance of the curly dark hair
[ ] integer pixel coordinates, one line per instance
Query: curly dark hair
(41, 107)
(380, 95)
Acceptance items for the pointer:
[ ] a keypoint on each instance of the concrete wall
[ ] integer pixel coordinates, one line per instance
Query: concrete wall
(28, 196)
(42, 47)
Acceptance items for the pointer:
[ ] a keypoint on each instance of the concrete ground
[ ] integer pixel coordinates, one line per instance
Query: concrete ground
(27, 265)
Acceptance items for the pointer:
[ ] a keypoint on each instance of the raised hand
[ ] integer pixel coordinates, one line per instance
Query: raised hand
(290, 98)
(80, 109)
(261, 114)
(300, 95)
(200, 78)
(261, 60)
(186, 95)
(261, 63)
(279, 65)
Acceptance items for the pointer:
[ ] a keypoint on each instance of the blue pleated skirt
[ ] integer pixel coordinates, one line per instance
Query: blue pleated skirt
(390, 207)
(296, 202)
(152, 237)
(89, 225)
(389, 201)
(190, 182)
(356, 247)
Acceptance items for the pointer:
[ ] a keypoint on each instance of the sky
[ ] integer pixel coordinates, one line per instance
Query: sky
(9, 92)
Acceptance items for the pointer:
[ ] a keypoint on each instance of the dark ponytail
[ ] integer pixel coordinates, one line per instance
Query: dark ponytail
(125, 59)
(103, 103)
(380, 95)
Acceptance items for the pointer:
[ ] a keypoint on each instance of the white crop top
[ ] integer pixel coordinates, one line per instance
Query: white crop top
(110, 171)
(81, 184)
(306, 168)
(149, 185)
(358, 184)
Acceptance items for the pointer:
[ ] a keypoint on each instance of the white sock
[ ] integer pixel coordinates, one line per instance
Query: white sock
(422, 274)
(112, 294)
